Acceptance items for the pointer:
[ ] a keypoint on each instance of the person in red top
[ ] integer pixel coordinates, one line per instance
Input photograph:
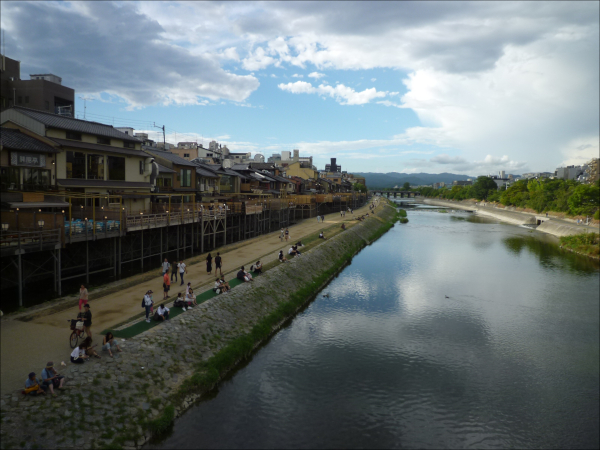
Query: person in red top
(166, 285)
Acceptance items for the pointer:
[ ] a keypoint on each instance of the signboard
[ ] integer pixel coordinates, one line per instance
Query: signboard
(27, 159)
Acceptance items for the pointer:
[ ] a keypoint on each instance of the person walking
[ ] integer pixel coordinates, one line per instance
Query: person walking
(318, 218)
(219, 264)
(87, 320)
(165, 267)
(83, 296)
(174, 271)
(287, 234)
(282, 235)
(147, 303)
(166, 286)
(209, 263)
(182, 269)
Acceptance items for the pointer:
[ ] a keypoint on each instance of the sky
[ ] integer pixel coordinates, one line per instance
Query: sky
(462, 87)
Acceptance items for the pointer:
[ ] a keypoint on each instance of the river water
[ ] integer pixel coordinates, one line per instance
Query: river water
(449, 331)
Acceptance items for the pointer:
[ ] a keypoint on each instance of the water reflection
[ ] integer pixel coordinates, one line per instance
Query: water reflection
(443, 333)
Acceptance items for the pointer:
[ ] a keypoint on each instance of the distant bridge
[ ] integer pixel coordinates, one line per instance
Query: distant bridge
(401, 194)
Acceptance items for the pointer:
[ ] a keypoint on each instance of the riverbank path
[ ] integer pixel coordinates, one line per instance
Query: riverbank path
(26, 346)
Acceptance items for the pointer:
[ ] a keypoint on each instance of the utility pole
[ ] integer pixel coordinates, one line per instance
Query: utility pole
(164, 139)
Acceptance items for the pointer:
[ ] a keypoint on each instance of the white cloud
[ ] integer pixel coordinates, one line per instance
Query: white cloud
(258, 60)
(373, 79)
(297, 76)
(581, 150)
(316, 75)
(342, 94)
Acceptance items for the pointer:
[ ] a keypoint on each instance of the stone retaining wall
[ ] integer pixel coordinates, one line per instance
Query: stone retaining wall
(110, 402)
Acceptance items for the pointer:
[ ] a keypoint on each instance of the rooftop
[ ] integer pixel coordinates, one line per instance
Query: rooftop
(168, 156)
(14, 139)
(69, 123)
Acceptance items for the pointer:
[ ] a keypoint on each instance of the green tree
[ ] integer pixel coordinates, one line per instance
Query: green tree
(584, 199)
(482, 187)
(359, 187)
(406, 186)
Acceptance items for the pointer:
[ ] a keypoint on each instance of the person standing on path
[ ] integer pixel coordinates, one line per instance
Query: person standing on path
(323, 218)
(83, 296)
(218, 264)
(148, 304)
(209, 263)
(182, 269)
(165, 267)
(87, 320)
(287, 234)
(174, 271)
(281, 236)
(318, 218)
(166, 285)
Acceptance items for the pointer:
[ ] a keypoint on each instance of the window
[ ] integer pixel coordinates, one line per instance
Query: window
(73, 136)
(95, 167)
(127, 144)
(186, 155)
(103, 140)
(116, 168)
(10, 178)
(36, 177)
(186, 177)
(164, 182)
(75, 165)
(47, 105)
(142, 167)
(26, 99)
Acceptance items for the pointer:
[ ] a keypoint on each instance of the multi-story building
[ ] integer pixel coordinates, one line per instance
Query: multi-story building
(184, 178)
(93, 158)
(570, 172)
(43, 92)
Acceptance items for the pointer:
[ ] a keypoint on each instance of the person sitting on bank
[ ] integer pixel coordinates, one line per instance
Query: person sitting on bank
(51, 378)
(295, 247)
(225, 284)
(78, 355)
(243, 275)
(343, 226)
(110, 343)
(281, 257)
(258, 267)
(180, 302)
(190, 298)
(321, 235)
(33, 386)
(162, 313)
(89, 348)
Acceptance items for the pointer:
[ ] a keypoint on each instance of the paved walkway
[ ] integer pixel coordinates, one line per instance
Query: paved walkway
(27, 346)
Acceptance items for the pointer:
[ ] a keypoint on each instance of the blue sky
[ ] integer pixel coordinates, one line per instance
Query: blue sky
(463, 87)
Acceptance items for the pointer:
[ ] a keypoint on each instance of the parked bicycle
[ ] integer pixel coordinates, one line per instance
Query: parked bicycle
(78, 332)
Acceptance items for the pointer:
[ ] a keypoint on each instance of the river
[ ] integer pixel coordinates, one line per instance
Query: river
(449, 331)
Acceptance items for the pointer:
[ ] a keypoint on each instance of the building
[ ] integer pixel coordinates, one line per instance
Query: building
(93, 158)
(43, 92)
(570, 172)
(184, 178)
(301, 170)
(333, 166)
(462, 183)
(537, 175)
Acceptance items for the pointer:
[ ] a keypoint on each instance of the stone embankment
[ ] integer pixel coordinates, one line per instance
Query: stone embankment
(549, 225)
(119, 402)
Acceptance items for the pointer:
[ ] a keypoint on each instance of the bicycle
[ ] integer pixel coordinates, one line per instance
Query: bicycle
(78, 332)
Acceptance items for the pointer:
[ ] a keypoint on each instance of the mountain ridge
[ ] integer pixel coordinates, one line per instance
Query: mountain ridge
(391, 179)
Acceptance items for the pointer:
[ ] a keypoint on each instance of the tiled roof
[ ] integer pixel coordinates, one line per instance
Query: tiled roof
(69, 123)
(175, 159)
(206, 173)
(163, 169)
(261, 166)
(102, 183)
(99, 147)
(14, 139)
(239, 167)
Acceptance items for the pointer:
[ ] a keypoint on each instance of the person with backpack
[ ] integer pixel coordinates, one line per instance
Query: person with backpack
(147, 303)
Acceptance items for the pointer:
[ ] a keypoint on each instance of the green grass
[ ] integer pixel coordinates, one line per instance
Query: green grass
(584, 243)
(402, 213)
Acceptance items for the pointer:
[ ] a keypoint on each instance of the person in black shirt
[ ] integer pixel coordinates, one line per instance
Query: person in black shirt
(209, 263)
(242, 275)
(87, 320)
(218, 264)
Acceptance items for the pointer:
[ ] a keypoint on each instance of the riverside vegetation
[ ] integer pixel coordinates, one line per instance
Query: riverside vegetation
(126, 400)
(562, 196)
(585, 244)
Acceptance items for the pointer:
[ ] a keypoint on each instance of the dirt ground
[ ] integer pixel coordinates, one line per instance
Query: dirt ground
(27, 346)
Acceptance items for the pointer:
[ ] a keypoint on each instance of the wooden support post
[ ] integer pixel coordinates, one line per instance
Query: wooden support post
(87, 258)
(59, 274)
(119, 256)
(215, 232)
(161, 244)
(177, 243)
(142, 247)
(225, 228)
(115, 258)
(20, 277)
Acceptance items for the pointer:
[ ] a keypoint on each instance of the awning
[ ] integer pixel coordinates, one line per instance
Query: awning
(25, 205)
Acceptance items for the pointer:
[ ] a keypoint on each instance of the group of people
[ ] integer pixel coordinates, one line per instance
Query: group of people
(243, 275)
(285, 234)
(218, 263)
(176, 268)
(320, 219)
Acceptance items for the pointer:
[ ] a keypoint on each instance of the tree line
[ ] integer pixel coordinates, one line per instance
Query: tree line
(567, 196)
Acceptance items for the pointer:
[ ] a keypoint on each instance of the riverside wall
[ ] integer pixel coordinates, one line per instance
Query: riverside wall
(118, 402)
(555, 227)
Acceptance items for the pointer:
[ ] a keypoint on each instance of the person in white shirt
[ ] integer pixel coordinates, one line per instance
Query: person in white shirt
(190, 298)
(218, 286)
(162, 313)
(148, 304)
(182, 269)
(78, 355)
